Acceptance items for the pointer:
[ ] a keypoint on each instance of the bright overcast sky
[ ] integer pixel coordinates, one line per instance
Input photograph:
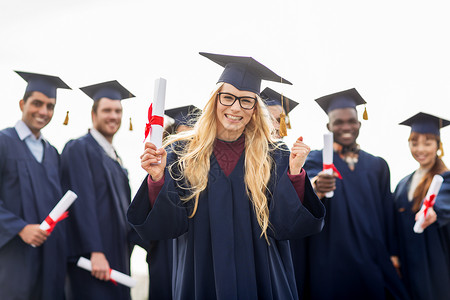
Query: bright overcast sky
(396, 53)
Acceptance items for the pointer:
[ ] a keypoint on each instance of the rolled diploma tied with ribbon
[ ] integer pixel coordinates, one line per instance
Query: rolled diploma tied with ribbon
(154, 128)
(428, 202)
(59, 212)
(327, 158)
(116, 276)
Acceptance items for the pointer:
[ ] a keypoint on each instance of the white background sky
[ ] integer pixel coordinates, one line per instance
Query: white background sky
(396, 53)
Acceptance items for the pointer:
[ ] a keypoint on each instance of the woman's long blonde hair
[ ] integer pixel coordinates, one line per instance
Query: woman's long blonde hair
(194, 161)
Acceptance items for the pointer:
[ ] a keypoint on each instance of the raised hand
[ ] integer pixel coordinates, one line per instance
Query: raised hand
(299, 152)
(150, 158)
(430, 218)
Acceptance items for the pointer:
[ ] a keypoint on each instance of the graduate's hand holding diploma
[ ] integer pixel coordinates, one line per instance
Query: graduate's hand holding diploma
(100, 266)
(153, 161)
(430, 218)
(299, 152)
(33, 235)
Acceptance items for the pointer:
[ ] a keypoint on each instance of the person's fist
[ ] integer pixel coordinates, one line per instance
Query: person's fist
(299, 152)
(430, 218)
(33, 235)
(100, 266)
(150, 161)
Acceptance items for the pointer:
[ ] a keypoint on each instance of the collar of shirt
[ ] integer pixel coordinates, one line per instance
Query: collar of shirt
(103, 142)
(23, 132)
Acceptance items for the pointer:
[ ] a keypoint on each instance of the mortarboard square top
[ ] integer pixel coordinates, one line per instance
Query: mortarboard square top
(110, 89)
(344, 99)
(271, 98)
(243, 72)
(183, 115)
(425, 123)
(45, 84)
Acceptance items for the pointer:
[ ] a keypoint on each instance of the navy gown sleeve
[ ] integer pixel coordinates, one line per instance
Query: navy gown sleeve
(388, 206)
(442, 204)
(169, 211)
(76, 171)
(289, 218)
(10, 223)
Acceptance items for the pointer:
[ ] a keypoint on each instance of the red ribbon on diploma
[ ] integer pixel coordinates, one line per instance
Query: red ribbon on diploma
(152, 120)
(428, 203)
(331, 166)
(110, 279)
(52, 223)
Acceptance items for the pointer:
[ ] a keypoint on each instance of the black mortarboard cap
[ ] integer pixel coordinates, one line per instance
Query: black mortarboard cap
(344, 99)
(271, 98)
(183, 115)
(45, 84)
(110, 89)
(425, 123)
(243, 72)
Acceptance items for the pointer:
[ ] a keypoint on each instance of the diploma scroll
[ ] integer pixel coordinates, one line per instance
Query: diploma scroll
(327, 157)
(58, 211)
(432, 192)
(116, 276)
(159, 100)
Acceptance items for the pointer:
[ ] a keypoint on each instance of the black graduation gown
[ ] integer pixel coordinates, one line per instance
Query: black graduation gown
(28, 192)
(350, 258)
(98, 221)
(219, 254)
(425, 257)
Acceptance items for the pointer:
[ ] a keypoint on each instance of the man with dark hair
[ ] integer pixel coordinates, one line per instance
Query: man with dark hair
(353, 256)
(32, 262)
(99, 230)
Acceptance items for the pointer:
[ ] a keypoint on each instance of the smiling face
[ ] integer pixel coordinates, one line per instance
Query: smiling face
(423, 148)
(107, 117)
(344, 124)
(37, 111)
(231, 120)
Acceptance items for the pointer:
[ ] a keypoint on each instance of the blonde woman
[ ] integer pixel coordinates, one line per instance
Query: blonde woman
(424, 257)
(229, 195)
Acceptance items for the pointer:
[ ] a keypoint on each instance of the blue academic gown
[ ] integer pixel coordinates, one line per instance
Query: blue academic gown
(350, 258)
(425, 257)
(159, 260)
(219, 253)
(28, 192)
(98, 217)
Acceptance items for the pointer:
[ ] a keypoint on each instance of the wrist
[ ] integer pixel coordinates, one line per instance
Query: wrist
(294, 171)
(156, 177)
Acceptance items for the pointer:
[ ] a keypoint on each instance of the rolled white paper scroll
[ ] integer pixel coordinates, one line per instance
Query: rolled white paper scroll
(327, 156)
(159, 102)
(60, 208)
(435, 186)
(116, 276)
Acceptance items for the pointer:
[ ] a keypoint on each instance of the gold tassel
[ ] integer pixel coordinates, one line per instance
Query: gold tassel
(441, 149)
(283, 130)
(365, 116)
(66, 120)
(131, 125)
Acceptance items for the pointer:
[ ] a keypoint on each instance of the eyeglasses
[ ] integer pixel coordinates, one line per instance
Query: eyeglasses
(228, 99)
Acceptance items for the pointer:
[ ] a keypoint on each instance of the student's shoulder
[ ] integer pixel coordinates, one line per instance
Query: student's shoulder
(84, 143)
(374, 162)
(7, 134)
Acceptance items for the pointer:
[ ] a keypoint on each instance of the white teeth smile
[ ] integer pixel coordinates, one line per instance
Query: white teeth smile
(346, 135)
(233, 117)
